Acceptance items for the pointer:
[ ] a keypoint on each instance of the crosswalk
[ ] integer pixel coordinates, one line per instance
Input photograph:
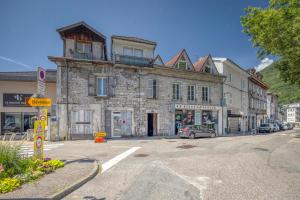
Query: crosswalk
(27, 150)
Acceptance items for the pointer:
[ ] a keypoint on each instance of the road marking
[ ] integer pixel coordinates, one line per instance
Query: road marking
(27, 150)
(117, 159)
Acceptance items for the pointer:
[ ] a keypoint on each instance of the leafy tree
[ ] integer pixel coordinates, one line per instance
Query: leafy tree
(275, 30)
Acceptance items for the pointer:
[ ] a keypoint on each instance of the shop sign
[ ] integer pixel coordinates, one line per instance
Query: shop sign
(39, 134)
(43, 115)
(15, 100)
(39, 102)
(196, 107)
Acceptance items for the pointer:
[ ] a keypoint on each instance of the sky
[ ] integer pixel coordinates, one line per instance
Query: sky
(28, 28)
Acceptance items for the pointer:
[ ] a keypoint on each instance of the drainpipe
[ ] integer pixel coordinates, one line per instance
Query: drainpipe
(67, 84)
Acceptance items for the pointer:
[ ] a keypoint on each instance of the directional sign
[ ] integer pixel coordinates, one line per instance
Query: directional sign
(39, 134)
(41, 79)
(39, 102)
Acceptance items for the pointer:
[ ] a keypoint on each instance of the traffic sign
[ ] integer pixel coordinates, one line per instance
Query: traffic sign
(39, 102)
(43, 115)
(41, 79)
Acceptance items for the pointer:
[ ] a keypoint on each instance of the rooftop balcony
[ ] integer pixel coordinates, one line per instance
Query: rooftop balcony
(132, 60)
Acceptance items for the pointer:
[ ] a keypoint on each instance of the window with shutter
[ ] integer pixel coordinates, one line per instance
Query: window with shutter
(191, 93)
(91, 85)
(176, 91)
(102, 86)
(150, 89)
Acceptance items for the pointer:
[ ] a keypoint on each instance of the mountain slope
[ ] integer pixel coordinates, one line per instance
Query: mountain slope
(287, 93)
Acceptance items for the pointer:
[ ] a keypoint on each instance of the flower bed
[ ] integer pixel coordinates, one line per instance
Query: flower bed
(16, 170)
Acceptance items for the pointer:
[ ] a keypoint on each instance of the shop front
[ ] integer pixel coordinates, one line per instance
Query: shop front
(200, 115)
(16, 116)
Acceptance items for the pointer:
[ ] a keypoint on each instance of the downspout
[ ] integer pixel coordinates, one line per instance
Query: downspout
(223, 101)
(139, 103)
(67, 84)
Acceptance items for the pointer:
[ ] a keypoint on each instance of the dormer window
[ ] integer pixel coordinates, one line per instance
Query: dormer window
(127, 51)
(207, 69)
(83, 50)
(182, 64)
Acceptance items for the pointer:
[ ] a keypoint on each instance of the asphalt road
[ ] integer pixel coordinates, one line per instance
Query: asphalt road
(242, 167)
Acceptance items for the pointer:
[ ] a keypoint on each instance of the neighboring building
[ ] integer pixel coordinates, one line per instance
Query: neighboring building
(235, 91)
(135, 94)
(272, 106)
(16, 116)
(293, 113)
(257, 100)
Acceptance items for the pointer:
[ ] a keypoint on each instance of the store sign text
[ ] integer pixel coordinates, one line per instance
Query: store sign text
(196, 107)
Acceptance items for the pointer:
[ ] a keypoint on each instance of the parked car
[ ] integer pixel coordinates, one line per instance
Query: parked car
(265, 128)
(290, 126)
(194, 131)
(285, 126)
(275, 127)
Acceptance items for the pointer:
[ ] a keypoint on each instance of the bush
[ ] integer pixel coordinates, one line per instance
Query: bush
(9, 184)
(15, 170)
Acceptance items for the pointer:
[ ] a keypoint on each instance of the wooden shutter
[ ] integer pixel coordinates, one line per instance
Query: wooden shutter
(150, 88)
(155, 93)
(108, 123)
(97, 51)
(112, 86)
(70, 48)
(92, 85)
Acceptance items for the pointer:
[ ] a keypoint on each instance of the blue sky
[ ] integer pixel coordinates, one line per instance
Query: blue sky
(28, 28)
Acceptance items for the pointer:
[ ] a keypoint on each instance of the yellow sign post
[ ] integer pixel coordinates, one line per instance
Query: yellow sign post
(39, 102)
(39, 134)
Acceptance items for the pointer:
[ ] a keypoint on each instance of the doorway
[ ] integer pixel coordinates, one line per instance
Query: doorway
(152, 124)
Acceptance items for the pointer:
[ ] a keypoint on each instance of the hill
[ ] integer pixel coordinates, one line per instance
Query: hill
(287, 93)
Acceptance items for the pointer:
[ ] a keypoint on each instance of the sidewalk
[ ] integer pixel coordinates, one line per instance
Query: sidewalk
(59, 183)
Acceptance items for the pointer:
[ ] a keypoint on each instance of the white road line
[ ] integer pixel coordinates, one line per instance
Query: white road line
(117, 159)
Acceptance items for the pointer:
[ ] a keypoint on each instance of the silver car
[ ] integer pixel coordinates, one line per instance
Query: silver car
(193, 131)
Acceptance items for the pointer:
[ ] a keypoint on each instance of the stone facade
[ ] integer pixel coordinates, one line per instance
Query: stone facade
(130, 96)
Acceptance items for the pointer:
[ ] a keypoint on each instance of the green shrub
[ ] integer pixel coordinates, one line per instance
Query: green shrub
(10, 159)
(9, 184)
(55, 163)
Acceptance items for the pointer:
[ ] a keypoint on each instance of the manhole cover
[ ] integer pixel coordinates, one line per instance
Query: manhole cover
(144, 142)
(186, 146)
(141, 155)
(261, 149)
(171, 141)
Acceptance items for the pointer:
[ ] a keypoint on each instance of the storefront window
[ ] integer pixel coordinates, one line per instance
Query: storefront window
(16, 122)
(188, 117)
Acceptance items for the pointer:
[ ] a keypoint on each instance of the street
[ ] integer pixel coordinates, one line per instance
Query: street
(240, 167)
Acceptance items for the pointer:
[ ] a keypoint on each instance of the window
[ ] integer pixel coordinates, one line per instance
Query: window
(205, 94)
(191, 93)
(229, 78)
(176, 91)
(84, 48)
(127, 51)
(207, 69)
(102, 86)
(243, 84)
(152, 85)
(182, 64)
(138, 52)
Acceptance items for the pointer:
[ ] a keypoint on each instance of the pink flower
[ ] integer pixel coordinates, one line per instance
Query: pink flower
(1, 168)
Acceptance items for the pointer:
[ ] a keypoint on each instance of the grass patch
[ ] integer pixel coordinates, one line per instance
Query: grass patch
(16, 170)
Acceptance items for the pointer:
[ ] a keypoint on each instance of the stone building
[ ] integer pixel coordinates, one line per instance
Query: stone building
(257, 100)
(134, 93)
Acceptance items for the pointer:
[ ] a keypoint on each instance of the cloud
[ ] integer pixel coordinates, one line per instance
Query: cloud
(16, 62)
(264, 63)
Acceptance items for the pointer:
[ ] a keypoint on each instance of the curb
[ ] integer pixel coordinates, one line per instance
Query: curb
(76, 185)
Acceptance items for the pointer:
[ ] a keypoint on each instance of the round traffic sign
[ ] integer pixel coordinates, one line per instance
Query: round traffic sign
(39, 142)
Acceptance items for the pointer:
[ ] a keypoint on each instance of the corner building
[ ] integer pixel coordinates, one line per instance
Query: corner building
(134, 93)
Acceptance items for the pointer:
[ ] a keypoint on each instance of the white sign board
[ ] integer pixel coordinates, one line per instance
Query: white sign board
(41, 79)
(196, 107)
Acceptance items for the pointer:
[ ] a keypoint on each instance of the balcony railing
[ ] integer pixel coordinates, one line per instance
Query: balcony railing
(85, 56)
(132, 60)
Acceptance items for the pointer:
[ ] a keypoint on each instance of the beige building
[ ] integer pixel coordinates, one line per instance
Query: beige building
(15, 87)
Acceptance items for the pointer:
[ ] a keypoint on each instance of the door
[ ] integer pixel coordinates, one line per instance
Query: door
(82, 124)
(121, 124)
(152, 124)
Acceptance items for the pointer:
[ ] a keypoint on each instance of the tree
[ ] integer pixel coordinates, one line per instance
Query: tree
(275, 30)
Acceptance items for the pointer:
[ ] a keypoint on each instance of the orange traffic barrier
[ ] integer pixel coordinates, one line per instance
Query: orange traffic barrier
(99, 140)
